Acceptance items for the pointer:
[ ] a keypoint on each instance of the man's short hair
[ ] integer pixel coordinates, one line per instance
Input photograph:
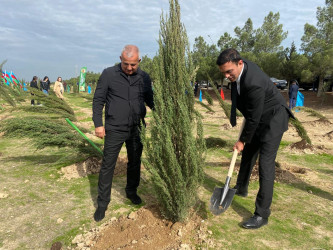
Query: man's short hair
(228, 55)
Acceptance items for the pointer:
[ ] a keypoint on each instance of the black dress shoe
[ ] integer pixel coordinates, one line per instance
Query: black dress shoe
(240, 192)
(255, 222)
(134, 198)
(99, 213)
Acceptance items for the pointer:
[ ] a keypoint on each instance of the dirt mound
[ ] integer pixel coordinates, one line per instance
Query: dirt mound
(145, 229)
(283, 174)
(91, 166)
(319, 122)
(329, 135)
(226, 126)
(301, 145)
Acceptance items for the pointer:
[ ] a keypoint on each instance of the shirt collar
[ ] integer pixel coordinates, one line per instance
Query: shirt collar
(240, 75)
(238, 80)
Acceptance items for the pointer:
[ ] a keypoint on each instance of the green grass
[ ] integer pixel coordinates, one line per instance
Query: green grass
(312, 160)
(301, 210)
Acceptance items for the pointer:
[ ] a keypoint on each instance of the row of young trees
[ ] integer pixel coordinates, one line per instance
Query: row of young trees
(263, 46)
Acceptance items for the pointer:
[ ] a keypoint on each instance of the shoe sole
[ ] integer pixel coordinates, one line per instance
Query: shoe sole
(255, 227)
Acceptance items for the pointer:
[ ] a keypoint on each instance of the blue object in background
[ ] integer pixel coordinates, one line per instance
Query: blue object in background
(299, 100)
(200, 96)
(89, 90)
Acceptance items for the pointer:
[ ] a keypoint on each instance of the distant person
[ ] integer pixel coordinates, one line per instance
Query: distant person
(196, 86)
(45, 85)
(267, 116)
(65, 85)
(122, 92)
(293, 89)
(33, 84)
(59, 88)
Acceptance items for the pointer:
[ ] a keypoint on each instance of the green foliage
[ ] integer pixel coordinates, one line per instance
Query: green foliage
(50, 101)
(317, 44)
(53, 112)
(208, 98)
(204, 57)
(149, 65)
(174, 155)
(45, 132)
(205, 106)
(300, 130)
(246, 37)
(5, 94)
(224, 105)
(269, 36)
(270, 63)
(91, 80)
(313, 113)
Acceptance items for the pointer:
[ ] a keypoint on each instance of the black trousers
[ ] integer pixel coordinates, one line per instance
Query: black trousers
(267, 152)
(113, 142)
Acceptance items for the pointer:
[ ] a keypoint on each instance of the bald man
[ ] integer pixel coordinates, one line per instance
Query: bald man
(123, 90)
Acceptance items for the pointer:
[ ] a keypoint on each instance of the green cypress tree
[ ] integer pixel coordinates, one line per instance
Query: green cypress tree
(208, 97)
(175, 150)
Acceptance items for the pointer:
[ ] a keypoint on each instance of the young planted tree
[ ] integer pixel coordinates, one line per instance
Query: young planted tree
(175, 149)
(208, 97)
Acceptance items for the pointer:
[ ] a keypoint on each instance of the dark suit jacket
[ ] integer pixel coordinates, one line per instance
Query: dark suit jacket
(293, 91)
(262, 105)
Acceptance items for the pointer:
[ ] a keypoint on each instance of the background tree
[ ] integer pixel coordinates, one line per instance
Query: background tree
(295, 65)
(204, 57)
(317, 44)
(149, 65)
(245, 37)
(226, 41)
(269, 36)
(174, 154)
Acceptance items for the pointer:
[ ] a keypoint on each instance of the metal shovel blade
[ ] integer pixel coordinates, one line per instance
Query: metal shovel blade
(218, 206)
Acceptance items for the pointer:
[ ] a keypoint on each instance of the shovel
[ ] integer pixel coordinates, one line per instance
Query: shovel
(222, 197)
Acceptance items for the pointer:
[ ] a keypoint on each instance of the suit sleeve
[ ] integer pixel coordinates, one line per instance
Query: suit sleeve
(99, 99)
(254, 103)
(149, 97)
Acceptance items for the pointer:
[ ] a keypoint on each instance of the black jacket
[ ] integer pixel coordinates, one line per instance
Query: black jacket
(123, 97)
(293, 91)
(262, 105)
(33, 84)
(45, 85)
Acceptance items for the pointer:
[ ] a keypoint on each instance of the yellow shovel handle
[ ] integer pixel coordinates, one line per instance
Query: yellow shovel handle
(234, 155)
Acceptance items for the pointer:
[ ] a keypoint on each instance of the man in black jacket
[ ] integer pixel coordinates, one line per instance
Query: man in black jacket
(267, 116)
(122, 90)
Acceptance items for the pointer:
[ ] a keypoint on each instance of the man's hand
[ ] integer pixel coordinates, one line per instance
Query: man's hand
(100, 132)
(239, 146)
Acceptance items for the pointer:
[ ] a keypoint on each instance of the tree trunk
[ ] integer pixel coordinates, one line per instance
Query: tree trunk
(320, 86)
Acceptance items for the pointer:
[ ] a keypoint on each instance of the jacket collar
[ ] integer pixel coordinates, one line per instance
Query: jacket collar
(138, 72)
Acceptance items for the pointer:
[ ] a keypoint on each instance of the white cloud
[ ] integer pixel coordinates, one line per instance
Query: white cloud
(51, 37)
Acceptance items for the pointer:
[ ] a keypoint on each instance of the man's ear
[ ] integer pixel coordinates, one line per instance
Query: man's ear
(240, 62)
(140, 60)
(120, 58)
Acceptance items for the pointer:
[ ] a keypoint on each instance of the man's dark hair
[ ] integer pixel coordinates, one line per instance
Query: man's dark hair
(228, 55)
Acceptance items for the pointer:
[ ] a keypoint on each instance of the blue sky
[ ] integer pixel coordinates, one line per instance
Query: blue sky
(57, 38)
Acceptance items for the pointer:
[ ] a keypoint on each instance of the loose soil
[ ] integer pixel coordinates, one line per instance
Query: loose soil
(145, 229)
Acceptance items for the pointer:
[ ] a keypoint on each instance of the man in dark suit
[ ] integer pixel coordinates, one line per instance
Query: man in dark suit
(267, 116)
(122, 91)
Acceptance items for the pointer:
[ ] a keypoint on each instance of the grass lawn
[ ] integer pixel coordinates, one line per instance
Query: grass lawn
(39, 207)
